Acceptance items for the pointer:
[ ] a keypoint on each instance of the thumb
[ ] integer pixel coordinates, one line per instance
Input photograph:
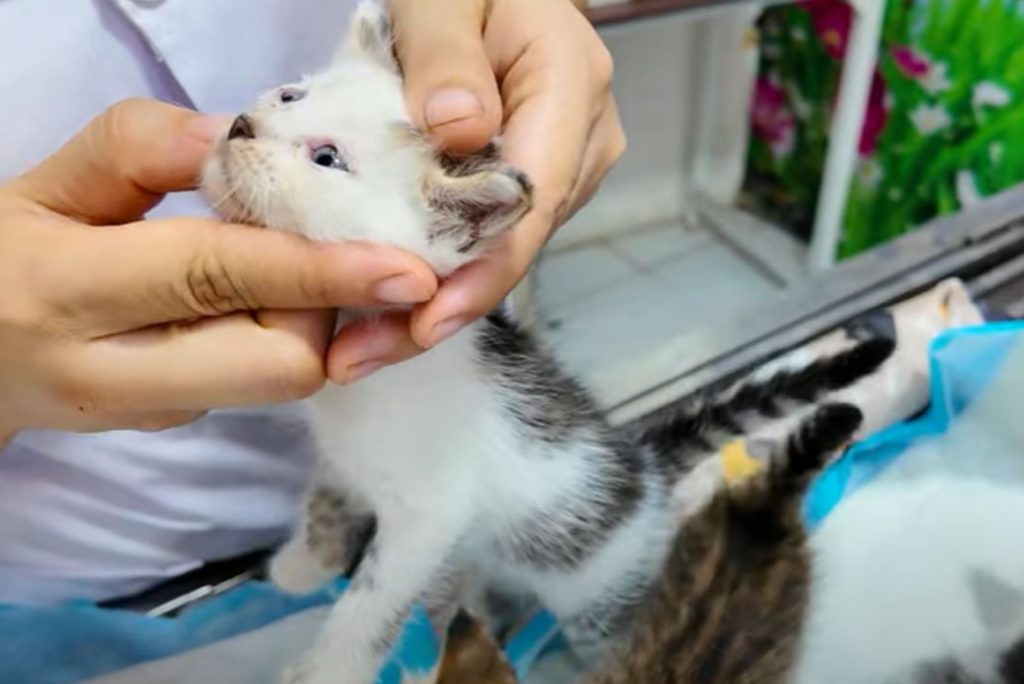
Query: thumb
(123, 162)
(450, 85)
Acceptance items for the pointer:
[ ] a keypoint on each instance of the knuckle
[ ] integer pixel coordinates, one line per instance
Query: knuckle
(603, 65)
(621, 143)
(316, 288)
(210, 289)
(300, 374)
(120, 117)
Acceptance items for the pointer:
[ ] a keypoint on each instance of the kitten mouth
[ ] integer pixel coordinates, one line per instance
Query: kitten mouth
(229, 204)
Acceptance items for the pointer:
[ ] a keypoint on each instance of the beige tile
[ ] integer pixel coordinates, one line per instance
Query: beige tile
(565, 277)
(618, 322)
(650, 248)
(714, 283)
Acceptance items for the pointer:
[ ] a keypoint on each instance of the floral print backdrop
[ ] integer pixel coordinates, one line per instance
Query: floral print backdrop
(944, 125)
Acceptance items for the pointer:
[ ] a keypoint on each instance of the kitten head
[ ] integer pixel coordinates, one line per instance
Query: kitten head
(335, 157)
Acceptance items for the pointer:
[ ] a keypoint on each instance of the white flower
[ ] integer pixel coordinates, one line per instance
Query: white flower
(801, 107)
(936, 80)
(967, 189)
(798, 34)
(996, 151)
(869, 173)
(928, 119)
(989, 94)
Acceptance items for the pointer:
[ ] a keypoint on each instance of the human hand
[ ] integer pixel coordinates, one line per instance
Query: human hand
(107, 321)
(468, 65)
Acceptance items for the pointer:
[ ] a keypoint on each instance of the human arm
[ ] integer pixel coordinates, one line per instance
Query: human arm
(108, 321)
(469, 65)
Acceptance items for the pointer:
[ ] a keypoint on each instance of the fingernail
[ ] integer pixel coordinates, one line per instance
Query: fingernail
(208, 127)
(359, 371)
(401, 289)
(445, 329)
(451, 105)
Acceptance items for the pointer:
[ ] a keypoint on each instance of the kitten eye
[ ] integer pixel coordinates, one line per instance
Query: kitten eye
(291, 95)
(328, 157)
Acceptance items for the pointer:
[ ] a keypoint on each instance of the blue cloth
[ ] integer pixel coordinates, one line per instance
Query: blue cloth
(962, 362)
(68, 643)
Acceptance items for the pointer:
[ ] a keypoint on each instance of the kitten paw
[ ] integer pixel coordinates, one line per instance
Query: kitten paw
(295, 570)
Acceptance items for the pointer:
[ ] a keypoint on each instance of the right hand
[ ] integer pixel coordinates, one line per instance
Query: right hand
(108, 321)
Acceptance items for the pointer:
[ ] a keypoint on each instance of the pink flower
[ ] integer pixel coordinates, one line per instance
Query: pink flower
(909, 62)
(772, 120)
(875, 117)
(831, 20)
(933, 76)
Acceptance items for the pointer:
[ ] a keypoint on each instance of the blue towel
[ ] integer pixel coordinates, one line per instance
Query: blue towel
(68, 643)
(962, 362)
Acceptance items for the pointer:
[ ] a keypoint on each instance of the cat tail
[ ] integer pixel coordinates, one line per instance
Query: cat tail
(795, 461)
(720, 417)
(471, 655)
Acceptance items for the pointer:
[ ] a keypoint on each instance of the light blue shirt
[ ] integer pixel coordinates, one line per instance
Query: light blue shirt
(99, 516)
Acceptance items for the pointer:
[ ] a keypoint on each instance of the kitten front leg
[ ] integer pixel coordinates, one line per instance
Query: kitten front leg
(330, 541)
(402, 566)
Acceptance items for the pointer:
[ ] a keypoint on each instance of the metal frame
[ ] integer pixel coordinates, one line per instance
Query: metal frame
(984, 244)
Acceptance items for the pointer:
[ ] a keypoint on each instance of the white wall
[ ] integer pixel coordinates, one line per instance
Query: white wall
(682, 85)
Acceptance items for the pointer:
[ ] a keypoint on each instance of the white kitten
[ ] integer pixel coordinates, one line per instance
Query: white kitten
(478, 468)
(901, 565)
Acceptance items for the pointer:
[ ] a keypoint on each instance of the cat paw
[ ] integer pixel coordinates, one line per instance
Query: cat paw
(295, 570)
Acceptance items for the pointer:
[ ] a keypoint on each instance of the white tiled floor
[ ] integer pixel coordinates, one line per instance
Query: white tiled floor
(603, 303)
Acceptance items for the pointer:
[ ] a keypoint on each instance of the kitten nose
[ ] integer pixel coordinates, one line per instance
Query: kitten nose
(242, 128)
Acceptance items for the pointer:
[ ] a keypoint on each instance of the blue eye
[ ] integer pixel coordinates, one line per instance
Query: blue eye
(291, 95)
(328, 157)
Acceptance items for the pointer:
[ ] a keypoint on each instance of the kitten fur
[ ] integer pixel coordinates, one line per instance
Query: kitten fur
(729, 603)
(478, 468)
(907, 569)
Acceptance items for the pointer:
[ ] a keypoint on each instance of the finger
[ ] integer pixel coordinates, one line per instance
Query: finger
(141, 422)
(366, 346)
(478, 288)
(315, 326)
(607, 144)
(552, 92)
(227, 361)
(450, 84)
(136, 275)
(121, 164)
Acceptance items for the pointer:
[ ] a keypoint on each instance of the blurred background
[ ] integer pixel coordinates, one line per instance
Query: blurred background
(767, 144)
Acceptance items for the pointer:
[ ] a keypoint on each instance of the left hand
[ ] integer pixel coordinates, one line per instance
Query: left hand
(469, 65)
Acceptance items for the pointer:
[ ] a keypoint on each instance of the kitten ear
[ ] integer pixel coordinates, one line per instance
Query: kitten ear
(471, 204)
(370, 35)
